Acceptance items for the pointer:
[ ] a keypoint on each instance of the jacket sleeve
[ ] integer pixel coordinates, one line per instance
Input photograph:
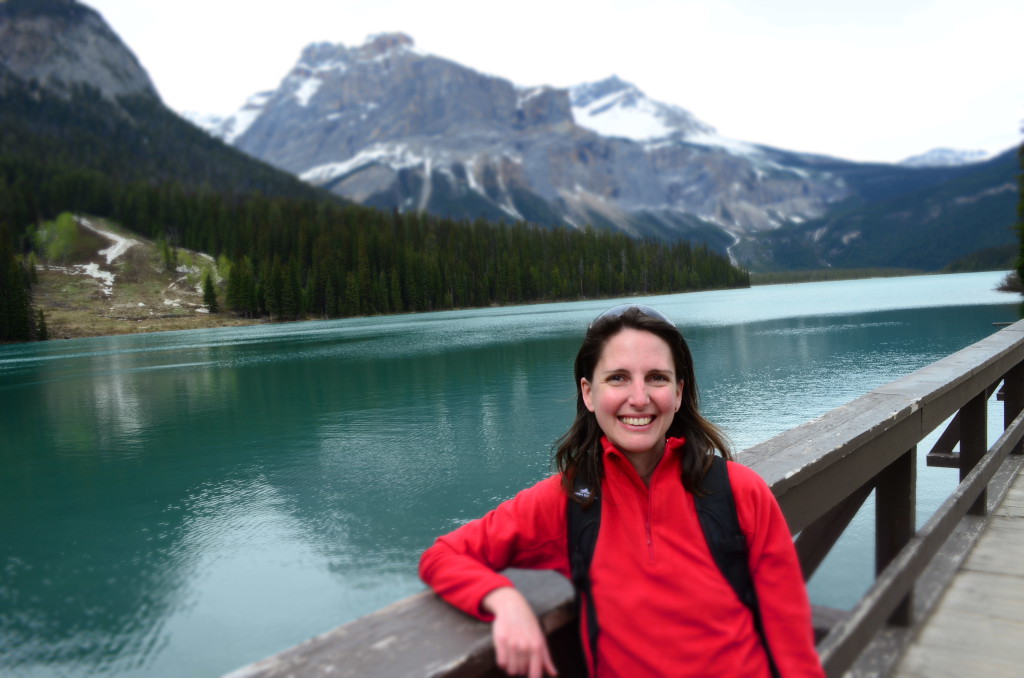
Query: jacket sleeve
(527, 531)
(781, 592)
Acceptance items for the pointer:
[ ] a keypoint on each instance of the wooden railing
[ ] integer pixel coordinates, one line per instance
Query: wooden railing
(821, 472)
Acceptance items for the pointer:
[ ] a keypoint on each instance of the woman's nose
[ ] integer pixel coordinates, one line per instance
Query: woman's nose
(638, 395)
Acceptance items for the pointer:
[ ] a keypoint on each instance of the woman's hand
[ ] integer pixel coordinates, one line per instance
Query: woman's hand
(519, 642)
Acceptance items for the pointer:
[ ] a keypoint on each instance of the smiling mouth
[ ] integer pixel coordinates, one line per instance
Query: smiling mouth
(637, 421)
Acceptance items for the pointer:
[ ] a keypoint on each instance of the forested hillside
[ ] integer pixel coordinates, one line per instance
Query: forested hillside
(288, 250)
(910, 218)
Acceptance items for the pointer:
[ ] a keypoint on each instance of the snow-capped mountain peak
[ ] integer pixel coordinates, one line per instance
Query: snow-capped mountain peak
(386, 125)
(616, 108)
(319, 61)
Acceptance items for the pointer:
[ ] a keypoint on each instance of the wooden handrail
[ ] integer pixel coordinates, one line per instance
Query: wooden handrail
(820, 471)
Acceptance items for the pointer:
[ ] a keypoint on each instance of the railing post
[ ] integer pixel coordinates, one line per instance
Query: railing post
(974, 444)
(895, 519)
(1013, 399)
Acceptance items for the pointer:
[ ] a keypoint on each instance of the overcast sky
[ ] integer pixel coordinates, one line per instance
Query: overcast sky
(862, 80)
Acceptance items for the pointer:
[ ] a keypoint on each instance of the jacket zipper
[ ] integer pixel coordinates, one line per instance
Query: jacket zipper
(647, 517)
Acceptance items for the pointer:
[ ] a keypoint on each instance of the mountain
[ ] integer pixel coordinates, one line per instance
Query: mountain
(945, 157)
(76, 103)
(902, 218)
(388, 125)
(58, 44)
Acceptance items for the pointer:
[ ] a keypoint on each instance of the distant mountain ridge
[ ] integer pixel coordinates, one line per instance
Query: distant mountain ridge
(387, 125)
(922, 218)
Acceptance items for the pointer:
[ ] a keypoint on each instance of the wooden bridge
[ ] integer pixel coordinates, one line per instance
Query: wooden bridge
(935, 598)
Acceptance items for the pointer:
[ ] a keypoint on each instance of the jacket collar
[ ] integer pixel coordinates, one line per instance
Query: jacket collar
(612, 454)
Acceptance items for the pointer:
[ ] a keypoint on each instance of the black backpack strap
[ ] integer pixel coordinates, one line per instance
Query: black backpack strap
(717, 513)
(583, 526)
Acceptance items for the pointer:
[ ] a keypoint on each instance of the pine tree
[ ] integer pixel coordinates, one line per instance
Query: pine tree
(275, 291)
(351, 302)
(168, 254)
(292, 294)
(42, 334)
(396, 292)
(16, 318)
(210, 293)
(330, 299)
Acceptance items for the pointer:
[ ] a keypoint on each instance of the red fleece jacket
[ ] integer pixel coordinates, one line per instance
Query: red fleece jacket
(664, 607)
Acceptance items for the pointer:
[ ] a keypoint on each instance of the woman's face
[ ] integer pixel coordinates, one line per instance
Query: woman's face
(635, 391)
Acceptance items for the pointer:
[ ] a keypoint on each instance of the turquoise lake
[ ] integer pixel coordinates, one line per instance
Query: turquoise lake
(184, 503)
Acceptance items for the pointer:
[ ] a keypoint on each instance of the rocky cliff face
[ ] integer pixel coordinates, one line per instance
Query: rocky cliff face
(388, 125)
(60, 44)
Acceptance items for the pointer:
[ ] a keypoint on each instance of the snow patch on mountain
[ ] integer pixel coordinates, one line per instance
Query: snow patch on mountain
(306, 90)
(734, 146)
(526, 93)
(208, 122)
(337, 66)
(609, 117)
(236, 125)
(616, 108)
(395, 156)
(945, 157)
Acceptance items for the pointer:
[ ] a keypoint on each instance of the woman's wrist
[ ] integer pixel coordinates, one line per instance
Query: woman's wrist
(500, 599)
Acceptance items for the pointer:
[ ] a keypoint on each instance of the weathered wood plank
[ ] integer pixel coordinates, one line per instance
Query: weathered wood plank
(978, 627)
(999, 552)
(895, 519)
(840, 649)
(980, 623)
(814, 467)
(948, 440)
(993, 594)
(417, 637)
(816, 540)
(1013, 396)
(943, 459)
(889, 645)
(974, 443)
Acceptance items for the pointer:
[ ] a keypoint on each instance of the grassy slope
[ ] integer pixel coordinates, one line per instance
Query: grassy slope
(144, 298)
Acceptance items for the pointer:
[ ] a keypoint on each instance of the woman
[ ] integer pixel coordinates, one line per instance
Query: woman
(665, 609)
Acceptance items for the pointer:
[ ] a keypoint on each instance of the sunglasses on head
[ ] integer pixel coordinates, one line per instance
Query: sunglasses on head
(616, 311)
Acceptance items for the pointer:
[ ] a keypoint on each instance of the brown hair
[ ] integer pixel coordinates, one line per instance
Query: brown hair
(580, 447)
